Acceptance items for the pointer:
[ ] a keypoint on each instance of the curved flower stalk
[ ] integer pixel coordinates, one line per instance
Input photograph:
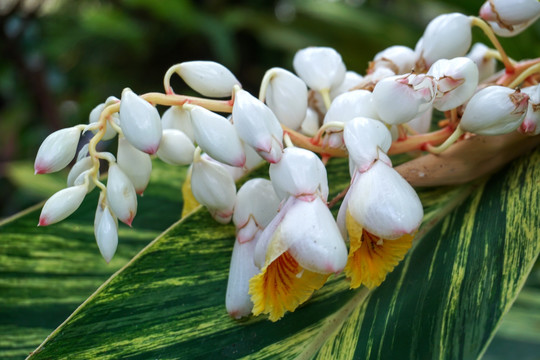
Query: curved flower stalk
(93, 118)
(256, 205)
(301, 246)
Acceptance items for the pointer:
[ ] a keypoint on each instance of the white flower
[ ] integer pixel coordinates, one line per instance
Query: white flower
(508, 14)
(62, 204)
(486, 65)
(287, 97)
(456, 80)
(399, 99)
(175, 148)
(494, 110)
(217, 136)
(446, 36)
(321, 68)
(78, 168)
(57, 150)
(208, 78)
(106, 232)
(140, 122)
(96, 113)
(310, 124)
(400, 59)
(136, 164)
(257, 126)
(121, 195)
(351, 80)
(176, 117)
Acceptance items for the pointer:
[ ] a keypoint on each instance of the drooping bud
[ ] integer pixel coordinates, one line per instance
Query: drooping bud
(57, 150)
(486, 65)
(175, 148)
(508, 14)
(121, 195)
(321, 68)
(62, 204)
(106, 232)
(351, 80)
(399, 99)
(384, 203)
(400, 59)
(310, 124)
(136, 164)
(213, 187)
(176, 117)
(494, 110)
(364, 137)
(287, 97)
(531, 122)
(208, 78)
(96, 113)
(446, 37)
(456, 80)
(299, 173)
(257, 126)
(80, 167)
(217, 136)
(140, 122)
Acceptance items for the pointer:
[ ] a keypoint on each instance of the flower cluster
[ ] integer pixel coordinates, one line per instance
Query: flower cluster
(287, 240)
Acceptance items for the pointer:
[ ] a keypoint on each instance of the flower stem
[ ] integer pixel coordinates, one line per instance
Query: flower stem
(452, 139)
(325, 93)
(420, 141)
(167, 79)
(173, 99)
(508, 64)
(534, 69)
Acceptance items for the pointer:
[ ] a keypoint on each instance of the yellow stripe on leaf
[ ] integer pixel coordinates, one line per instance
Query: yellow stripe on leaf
(282, 286)
(190, 203)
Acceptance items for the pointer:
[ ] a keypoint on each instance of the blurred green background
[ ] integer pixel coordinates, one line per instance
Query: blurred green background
(60, 58)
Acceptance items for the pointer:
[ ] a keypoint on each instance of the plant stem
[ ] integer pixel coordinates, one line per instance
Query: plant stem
(508, 64)
(177, 100)
(420, 141)
(531, 70)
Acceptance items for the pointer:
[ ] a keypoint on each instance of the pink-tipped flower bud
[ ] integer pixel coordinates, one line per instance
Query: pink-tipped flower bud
(217, 136)
(57, 150)
(175, 148)
(456, 80)
(257, 126)
(213, 187)
(176, 117)
(400, 59)
(208, 78)
(299, 173)
(287, 97)
(486, 64)
(121, 195)
(137, 165)
(531, 122)
(140, 122)
(364, 137)
(321, 68)
(494, 110)
(510, 13)
(446, 37)
(62, 204)
(399, 99)
(351, 80)
(106, 231)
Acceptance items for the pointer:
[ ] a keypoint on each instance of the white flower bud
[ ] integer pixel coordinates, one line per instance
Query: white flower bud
(136, 164)
(456, 80)
(257, 126)
(531, 122)
(287, 97)
(422, 122)
(486, 65)
(384, 203)
(140, 122)
(310, 124)
(400, 59)
(506, 32)
(80, 167)
(509, 13)
(399, 99)
(321, 68)
(217, 136)
(446, 37)
(242, 269)
(494, 110)
(94, 118)
(299, 173)
(62, 204)
(351, 80)
(57, 150)
(121, 195)
(363, 138)
(176, 117)
(213, 187)
(208, 78)
(106, 232)
(175, 148)
(256, 205)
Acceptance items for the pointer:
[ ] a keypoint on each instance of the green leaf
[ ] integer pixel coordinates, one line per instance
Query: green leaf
(445, 300)
(45, 273)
